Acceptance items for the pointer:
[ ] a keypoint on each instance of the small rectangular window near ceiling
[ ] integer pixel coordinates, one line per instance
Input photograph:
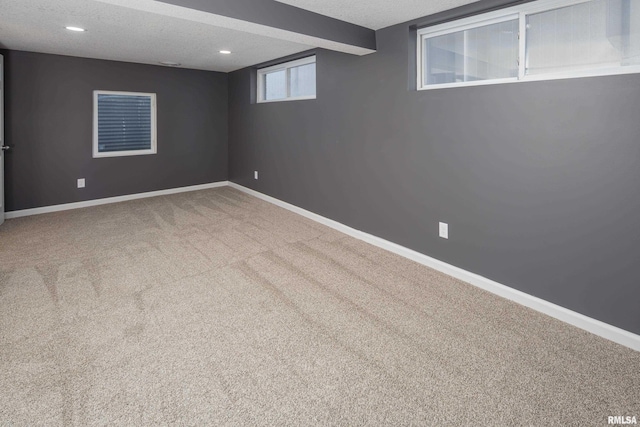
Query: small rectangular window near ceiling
(124, 124)
(294, 80)
(538, 40)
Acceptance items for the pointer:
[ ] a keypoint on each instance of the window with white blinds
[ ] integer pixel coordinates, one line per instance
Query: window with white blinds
(124, 124)
(544, 39)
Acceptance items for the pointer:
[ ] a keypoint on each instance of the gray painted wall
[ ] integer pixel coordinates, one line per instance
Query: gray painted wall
(49, 114)
(538, 181)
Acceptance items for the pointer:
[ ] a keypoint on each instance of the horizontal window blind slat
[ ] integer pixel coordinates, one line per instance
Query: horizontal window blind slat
(123, 115)
(115, 138)
(124, 111)
(144, 138)
(141, 144)
(124, 121)
(125, 130)
(123, 134)
(134, 144)
(110, 148)
(127, 141)
(127, 106)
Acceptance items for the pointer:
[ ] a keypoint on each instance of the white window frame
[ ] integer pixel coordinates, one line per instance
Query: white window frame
(520, 12)
(154, 144)
(286, 66)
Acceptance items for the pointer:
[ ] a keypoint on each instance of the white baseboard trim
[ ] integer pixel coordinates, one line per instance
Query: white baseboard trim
(108, 200)
(581, 321)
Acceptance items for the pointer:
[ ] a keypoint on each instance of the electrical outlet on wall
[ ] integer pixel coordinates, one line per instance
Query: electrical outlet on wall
(444, 230)
(81, 183)
(255, 175)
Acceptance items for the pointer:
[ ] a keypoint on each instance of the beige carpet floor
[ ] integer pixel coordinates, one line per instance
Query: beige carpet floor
(216, 308)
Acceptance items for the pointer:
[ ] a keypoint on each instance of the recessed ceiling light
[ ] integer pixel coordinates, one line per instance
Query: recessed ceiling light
(78, 29)
(170, 64)
(225, 52)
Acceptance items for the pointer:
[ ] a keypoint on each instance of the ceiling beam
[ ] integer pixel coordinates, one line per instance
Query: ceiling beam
(266, 18)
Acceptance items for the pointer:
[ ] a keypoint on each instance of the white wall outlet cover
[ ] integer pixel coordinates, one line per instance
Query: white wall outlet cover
(81, 183)
(444, 230)
(255, 175)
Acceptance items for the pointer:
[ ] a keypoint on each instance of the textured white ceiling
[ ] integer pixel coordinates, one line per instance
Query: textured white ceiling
(124, 34)
(146, 31)
(376, 14)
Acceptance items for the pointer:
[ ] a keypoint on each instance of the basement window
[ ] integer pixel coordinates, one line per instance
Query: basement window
(541, 40)
(290, 81)
(124, 123)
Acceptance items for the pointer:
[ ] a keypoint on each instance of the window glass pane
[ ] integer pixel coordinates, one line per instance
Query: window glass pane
(595, 34)
(444, 56)
(482, 53)
(302, 80)
(124, 123)
(275, 85)
(632, 48)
